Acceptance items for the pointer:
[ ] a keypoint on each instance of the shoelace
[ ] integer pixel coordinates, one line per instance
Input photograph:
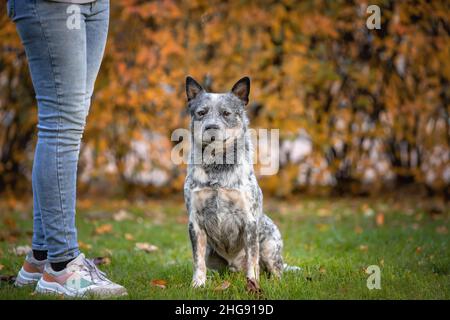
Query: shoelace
(94, 273)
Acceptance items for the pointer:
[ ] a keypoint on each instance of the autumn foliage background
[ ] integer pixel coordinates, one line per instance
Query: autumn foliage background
(359, 111)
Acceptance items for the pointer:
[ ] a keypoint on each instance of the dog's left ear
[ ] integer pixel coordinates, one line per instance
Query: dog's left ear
(193, 88)
(241, 89)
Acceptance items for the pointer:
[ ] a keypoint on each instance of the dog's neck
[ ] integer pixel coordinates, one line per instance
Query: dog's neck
(235, 165)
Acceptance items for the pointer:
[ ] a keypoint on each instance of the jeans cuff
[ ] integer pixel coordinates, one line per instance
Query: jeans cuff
(39, 247)
(68, 256)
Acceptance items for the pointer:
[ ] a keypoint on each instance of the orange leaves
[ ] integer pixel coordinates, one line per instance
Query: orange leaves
(223, 286)
(103, 229)
(146, 247)
(159, 283)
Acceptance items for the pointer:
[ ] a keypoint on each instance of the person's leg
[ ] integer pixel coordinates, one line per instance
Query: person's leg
(97, 22)
(57, 61)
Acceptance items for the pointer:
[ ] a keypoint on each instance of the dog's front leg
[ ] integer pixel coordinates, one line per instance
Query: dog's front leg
(252, 255)
(198, 241)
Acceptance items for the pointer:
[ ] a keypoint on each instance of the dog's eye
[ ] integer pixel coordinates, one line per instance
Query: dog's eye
(201, 113)
(226, 113)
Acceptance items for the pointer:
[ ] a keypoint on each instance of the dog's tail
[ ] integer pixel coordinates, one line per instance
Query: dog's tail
(288, 268)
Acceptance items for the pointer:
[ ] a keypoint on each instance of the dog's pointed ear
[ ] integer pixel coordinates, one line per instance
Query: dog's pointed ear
(193, 88)
(241, 89)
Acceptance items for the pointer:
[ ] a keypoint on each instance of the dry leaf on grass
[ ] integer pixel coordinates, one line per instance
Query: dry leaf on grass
(364, 247)
(223, 286)
(84, 246)
(9, 279)
(418, 250)
(379, 219)
(122, 215)
(103, 229)
(147, 247)
(129, 236)
(159, 283)
(101, 261)
(21, 250)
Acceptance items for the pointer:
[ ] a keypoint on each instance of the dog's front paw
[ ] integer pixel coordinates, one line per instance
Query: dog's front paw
(253, 286)
(198, 281)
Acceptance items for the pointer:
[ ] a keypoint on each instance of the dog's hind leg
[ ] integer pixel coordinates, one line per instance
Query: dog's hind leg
(271, 247)
(270, 257)
(214, 261)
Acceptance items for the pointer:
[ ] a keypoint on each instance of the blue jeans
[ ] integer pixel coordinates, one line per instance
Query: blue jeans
(64, 45)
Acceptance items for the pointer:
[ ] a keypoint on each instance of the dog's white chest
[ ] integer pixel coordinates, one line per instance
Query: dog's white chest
(222, 214)
(219, 201)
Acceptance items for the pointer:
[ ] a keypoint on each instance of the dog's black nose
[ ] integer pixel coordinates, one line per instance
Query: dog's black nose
(212, 127)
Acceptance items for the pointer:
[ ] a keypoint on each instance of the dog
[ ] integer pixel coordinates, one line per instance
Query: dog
(227, 226)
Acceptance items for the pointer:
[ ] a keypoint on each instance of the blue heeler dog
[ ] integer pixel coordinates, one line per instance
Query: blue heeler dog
(227, 226)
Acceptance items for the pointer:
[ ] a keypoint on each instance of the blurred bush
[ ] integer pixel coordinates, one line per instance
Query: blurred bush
(358, 110)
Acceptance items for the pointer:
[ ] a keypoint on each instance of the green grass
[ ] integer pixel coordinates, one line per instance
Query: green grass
(332, 240)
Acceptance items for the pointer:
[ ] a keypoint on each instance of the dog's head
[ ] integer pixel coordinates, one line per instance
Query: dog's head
(218, 118)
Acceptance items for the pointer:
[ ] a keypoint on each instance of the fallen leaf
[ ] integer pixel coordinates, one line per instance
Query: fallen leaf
(379, 219)
(129, 236)
(364, 247)
(84, 246)
(358, 230)
(418, 250)
(21, 250)
(101, 261)
(147, 247)
(9, 279)
(324, 212)
(442, 230)
(159, 283)
(122, 215)
(103, 229)
(224, 286)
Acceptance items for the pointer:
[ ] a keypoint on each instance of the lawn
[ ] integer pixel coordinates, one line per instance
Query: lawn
(332, 240)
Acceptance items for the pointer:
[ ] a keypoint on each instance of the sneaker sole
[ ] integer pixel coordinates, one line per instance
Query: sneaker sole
(45, 287)
(26, 278)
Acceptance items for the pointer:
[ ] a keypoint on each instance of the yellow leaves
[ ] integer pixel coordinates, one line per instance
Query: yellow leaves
(129, 236)
(223, 286)
(84, 246)
(122, 215)
(364, 248)
(146, 247)
(358, 230)
(159, 283)
(379, 219)
(103, 229)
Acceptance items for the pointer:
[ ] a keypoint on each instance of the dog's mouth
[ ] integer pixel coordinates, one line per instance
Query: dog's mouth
(213, 140)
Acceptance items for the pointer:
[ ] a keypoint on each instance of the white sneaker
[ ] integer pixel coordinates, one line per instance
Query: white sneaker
(80, 278)
(31, 271)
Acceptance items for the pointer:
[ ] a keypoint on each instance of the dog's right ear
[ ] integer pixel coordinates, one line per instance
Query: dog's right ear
(193, 88)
